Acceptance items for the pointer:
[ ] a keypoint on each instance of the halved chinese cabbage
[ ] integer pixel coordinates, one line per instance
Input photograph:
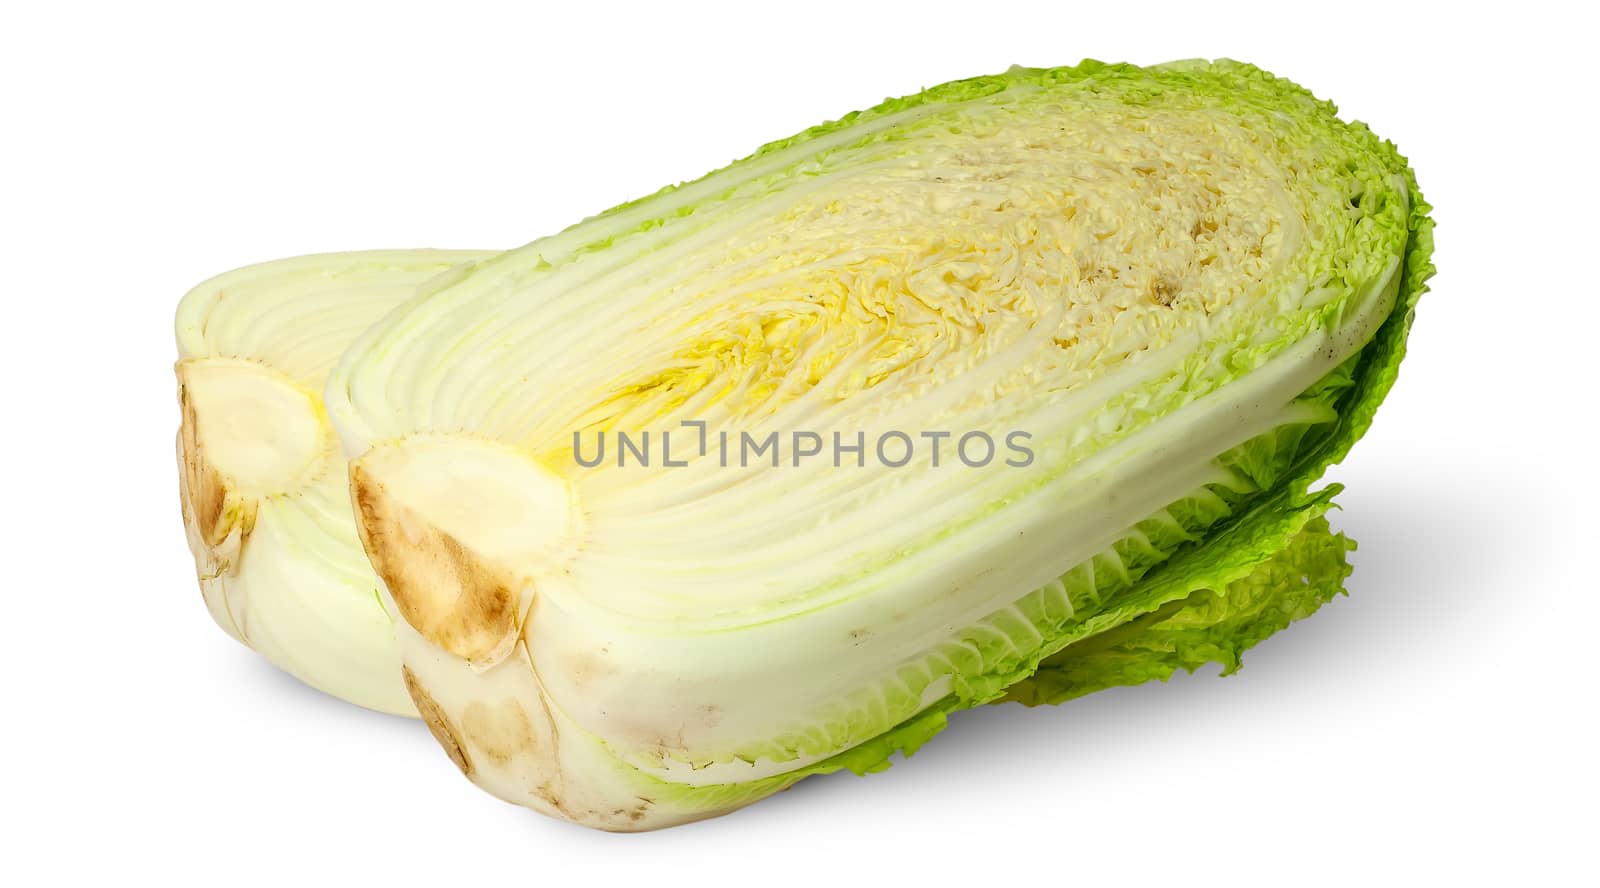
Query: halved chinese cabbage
(1188, 284)
(264, 494)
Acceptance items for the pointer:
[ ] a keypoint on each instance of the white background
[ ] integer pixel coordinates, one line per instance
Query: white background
(1437, 725)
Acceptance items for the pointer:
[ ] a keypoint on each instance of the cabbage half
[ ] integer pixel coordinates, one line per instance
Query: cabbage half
(1188, 286)
(263, 486)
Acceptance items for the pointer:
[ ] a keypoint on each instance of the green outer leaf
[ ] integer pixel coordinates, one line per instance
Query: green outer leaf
(1210, 626)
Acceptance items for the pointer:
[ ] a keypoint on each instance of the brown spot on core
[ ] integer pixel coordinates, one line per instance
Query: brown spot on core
(442, 588)
(502, 731)
(221, 518)
(439, 726)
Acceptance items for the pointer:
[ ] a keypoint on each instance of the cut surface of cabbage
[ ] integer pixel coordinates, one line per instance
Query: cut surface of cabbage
(1187, 286)
(317, 615)
(262, 481)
